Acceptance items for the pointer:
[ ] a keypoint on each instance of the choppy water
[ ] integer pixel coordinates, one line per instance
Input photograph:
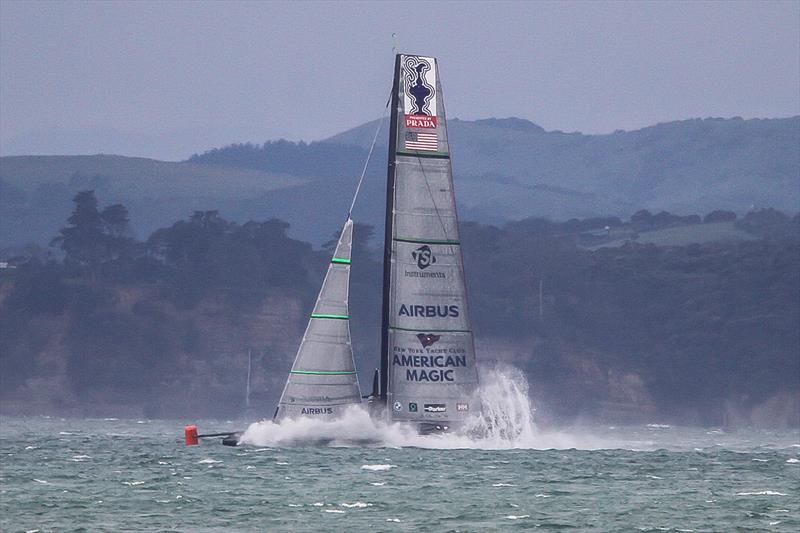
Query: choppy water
(113, 475)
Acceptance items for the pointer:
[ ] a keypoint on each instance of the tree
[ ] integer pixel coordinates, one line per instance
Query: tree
(83, 240)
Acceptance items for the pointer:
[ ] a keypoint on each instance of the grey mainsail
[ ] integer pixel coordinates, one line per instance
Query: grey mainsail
(323, 379)
(428, 352)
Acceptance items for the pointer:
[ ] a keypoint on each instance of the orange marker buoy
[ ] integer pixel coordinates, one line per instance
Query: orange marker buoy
(190, 432)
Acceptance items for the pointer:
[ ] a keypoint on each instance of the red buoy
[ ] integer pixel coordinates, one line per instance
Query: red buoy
(190, 432)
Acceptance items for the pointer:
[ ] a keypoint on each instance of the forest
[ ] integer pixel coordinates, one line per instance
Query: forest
(605, 325)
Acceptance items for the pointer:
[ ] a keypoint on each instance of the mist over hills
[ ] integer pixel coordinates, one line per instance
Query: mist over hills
(505, 169)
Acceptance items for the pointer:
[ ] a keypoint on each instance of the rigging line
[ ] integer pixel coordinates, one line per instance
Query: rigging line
(369, 156)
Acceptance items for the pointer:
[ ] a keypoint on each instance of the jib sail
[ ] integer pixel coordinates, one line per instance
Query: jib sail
(428, 352)
(323, 379)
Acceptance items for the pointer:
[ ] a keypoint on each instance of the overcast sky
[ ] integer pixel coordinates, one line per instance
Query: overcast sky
(167, 79)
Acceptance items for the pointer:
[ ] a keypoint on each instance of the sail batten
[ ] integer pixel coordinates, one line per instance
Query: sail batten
(323, 378)
(428, 353)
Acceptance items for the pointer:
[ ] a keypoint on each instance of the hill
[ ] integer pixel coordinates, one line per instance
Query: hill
(35, 191)
(504, 169)
(509, 169)
(512, 168)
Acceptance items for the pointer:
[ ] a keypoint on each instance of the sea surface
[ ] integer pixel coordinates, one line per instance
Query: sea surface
(137, 475)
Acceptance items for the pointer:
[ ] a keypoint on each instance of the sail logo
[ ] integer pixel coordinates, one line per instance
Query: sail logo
(419, 95)
(317, 411)
(424, 257)
(429, 311)
(428, 339)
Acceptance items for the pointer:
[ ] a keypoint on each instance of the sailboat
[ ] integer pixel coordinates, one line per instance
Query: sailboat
(427, 364)
(427, 374)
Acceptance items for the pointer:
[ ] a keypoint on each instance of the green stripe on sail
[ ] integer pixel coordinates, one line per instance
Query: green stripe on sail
(424, 241)
(430, 155)
(337, 317)
(432, 330)
(322, 372)
(340, 260)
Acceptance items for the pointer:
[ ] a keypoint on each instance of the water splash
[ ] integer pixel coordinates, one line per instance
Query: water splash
(505, 421)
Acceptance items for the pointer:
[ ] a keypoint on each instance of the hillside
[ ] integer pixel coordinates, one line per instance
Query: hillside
(35, 191)
(505, 169)
(512, 168)
(699, 333)
(509, 169)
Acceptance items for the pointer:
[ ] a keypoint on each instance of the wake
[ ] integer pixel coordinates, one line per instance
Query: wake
(505, 422)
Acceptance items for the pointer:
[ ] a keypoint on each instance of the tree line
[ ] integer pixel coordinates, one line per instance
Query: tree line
(690, 329)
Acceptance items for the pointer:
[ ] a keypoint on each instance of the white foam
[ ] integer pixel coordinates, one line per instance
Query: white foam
(761, 493)
(505, 422)
(377, 468)
(356, 505)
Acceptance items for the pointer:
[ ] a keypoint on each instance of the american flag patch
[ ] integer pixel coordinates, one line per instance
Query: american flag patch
(421, 141)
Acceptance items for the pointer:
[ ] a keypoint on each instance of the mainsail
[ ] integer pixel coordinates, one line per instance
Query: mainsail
(323, 379)
(428, 353)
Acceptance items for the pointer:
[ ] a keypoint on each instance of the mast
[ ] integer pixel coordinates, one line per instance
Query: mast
(388, 232)
(247, 387)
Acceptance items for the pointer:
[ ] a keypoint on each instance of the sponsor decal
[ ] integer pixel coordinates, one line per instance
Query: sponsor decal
(428, 339)
(422, 141)
(412, 407)
(398, 406)
(317, 411)
(462, 407)
(419, 95)
(423, 256)
(429, 311)
(434, 408)
(429, 364)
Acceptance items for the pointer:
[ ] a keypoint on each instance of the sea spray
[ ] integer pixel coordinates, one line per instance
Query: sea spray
(505, 421)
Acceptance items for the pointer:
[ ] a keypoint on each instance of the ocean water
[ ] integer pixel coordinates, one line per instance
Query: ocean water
(137, 475)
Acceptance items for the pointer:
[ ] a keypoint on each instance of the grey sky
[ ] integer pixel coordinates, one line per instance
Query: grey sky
(166, 79)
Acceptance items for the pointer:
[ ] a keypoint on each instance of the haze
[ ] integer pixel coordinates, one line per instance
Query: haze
(166, 80)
